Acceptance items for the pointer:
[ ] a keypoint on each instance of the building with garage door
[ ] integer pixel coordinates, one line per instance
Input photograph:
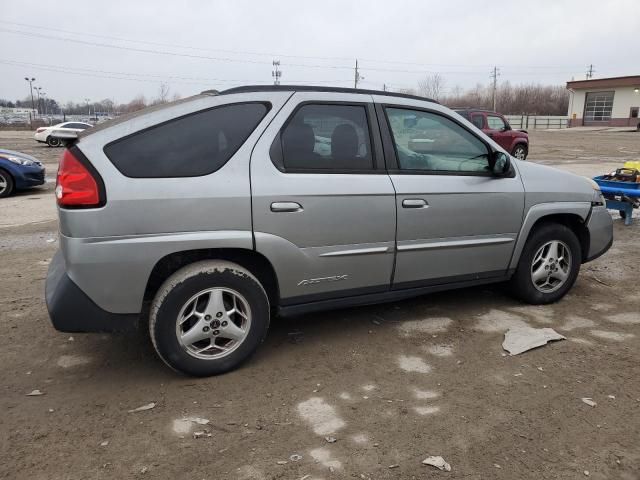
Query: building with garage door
(612, 102)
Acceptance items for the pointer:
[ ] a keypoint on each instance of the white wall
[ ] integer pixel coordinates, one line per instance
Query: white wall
(623, 99)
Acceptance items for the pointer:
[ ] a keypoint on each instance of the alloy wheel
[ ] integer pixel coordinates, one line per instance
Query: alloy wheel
(213, 323)
(551, 266)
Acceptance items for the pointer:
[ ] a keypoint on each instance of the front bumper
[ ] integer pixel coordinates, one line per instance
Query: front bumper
(600, 226)
(71, 310)
(30, 177)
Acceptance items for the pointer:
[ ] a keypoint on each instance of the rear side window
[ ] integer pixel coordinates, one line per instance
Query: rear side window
(327, 137)
(478, 121)
(190, 146)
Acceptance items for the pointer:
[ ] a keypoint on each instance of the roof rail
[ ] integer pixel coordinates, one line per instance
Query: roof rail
(312, 88)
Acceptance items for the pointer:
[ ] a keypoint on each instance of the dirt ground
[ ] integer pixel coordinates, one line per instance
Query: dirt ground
(392, 384)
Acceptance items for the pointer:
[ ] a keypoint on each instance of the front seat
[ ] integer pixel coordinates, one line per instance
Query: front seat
(298, 142)
(344, 148)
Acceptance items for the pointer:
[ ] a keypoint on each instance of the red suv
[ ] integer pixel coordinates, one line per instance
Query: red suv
(496, 126)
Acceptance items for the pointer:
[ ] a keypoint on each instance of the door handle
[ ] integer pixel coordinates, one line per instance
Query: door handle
(414, 203)
(286, 207)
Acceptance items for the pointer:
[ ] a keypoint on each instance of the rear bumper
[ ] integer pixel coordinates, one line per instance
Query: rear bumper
(71, 310)
(600, 228)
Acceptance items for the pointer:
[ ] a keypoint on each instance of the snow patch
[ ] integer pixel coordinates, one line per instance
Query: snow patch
(574, 321)
(321, 416)
(499, 321)
(428, 325)
(426, 410)
(413, 364)
(616, 336)
(440, 350)
(69, 361)
(323, 456)
(631, 318)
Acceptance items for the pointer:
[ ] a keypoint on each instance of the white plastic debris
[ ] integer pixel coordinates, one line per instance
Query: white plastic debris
(521, 339)
(201, 434)
(438, 462)
(148, 406)
(198, 420)
(612, 397)
(330, 439)
(35, 393)
(105, 443)
(589, 401)
(295, 457)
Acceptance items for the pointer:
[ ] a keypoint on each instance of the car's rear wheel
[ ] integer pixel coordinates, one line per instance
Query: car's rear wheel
(6, 184)
(208, 317)
(548, 266)
(53, 141)
(520, 152)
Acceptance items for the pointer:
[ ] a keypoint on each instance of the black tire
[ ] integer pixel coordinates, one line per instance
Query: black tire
(522, 285)
(623, 214)
(7, 180)
(520, 149)
(53, 141)
(175, 293)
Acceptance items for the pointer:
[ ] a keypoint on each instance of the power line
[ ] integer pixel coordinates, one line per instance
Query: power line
(224, 59)
(153, 78)
(271, 54)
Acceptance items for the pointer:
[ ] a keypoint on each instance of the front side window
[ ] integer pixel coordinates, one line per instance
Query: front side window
(327, 137)
(193, 145)
(598, 106)
(432, 142)
(495, 122)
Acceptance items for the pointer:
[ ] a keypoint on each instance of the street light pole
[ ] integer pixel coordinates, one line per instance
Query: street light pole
(44, 101)
(38, 92)
(88, 107)
(31, 80)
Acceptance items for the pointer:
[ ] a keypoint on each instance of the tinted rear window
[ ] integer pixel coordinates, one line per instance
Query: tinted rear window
(190, 146)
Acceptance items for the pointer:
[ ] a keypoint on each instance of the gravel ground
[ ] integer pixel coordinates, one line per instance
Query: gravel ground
(392, 384)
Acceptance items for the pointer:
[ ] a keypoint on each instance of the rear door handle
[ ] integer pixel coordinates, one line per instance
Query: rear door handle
(414, 203)
(286, 207)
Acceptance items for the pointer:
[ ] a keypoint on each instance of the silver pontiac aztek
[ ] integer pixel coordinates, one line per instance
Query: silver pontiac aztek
(209, 215)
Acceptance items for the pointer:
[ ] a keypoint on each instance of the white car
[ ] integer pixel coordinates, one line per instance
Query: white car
(53, 135)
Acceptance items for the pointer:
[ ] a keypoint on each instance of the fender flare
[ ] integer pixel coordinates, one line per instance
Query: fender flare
(538, 212)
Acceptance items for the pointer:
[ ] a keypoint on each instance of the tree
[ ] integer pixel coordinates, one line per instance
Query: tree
(431, 86)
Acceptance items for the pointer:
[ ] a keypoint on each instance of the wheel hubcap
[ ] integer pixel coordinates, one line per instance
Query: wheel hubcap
(213, 323)
(3, 183)
(551, 266)
(519, 153)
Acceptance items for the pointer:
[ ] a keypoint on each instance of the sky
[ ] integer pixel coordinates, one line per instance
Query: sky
(120, 49)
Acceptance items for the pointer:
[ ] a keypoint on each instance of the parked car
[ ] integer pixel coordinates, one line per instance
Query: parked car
(55, 135)
(18, 171)
(218, 211)
(514, 141)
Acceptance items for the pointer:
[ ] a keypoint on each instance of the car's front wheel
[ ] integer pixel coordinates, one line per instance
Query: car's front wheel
(548, 266)
(6, 184)
(520, 152)
(53, 141)
(208, 317)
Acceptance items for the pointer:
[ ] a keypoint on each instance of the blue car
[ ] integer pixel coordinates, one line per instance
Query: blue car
(19, 171)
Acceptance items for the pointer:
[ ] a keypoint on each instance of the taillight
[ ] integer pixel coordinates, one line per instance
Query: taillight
(41, 129)
(76, 186)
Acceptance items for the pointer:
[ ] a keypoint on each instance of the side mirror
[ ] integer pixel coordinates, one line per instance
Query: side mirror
(500, 164)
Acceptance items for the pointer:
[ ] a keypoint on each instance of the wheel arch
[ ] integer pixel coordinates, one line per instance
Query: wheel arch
(571, 215)
(253, 261)
(12, 177)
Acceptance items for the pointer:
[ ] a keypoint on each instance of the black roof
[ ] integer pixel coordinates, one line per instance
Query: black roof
(312, 88)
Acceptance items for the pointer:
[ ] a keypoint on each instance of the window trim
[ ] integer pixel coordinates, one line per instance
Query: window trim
(391, 153)
(276, 152)
(266, 104)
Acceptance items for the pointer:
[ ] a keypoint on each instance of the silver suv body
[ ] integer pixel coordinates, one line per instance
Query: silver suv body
(212, 213)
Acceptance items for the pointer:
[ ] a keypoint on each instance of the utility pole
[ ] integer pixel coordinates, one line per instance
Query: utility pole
(31, 80)
(590, 72)
(88, 107)
(494, 75)
(384, 87)
(357, 77)
(44, 101)
(276, 73)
